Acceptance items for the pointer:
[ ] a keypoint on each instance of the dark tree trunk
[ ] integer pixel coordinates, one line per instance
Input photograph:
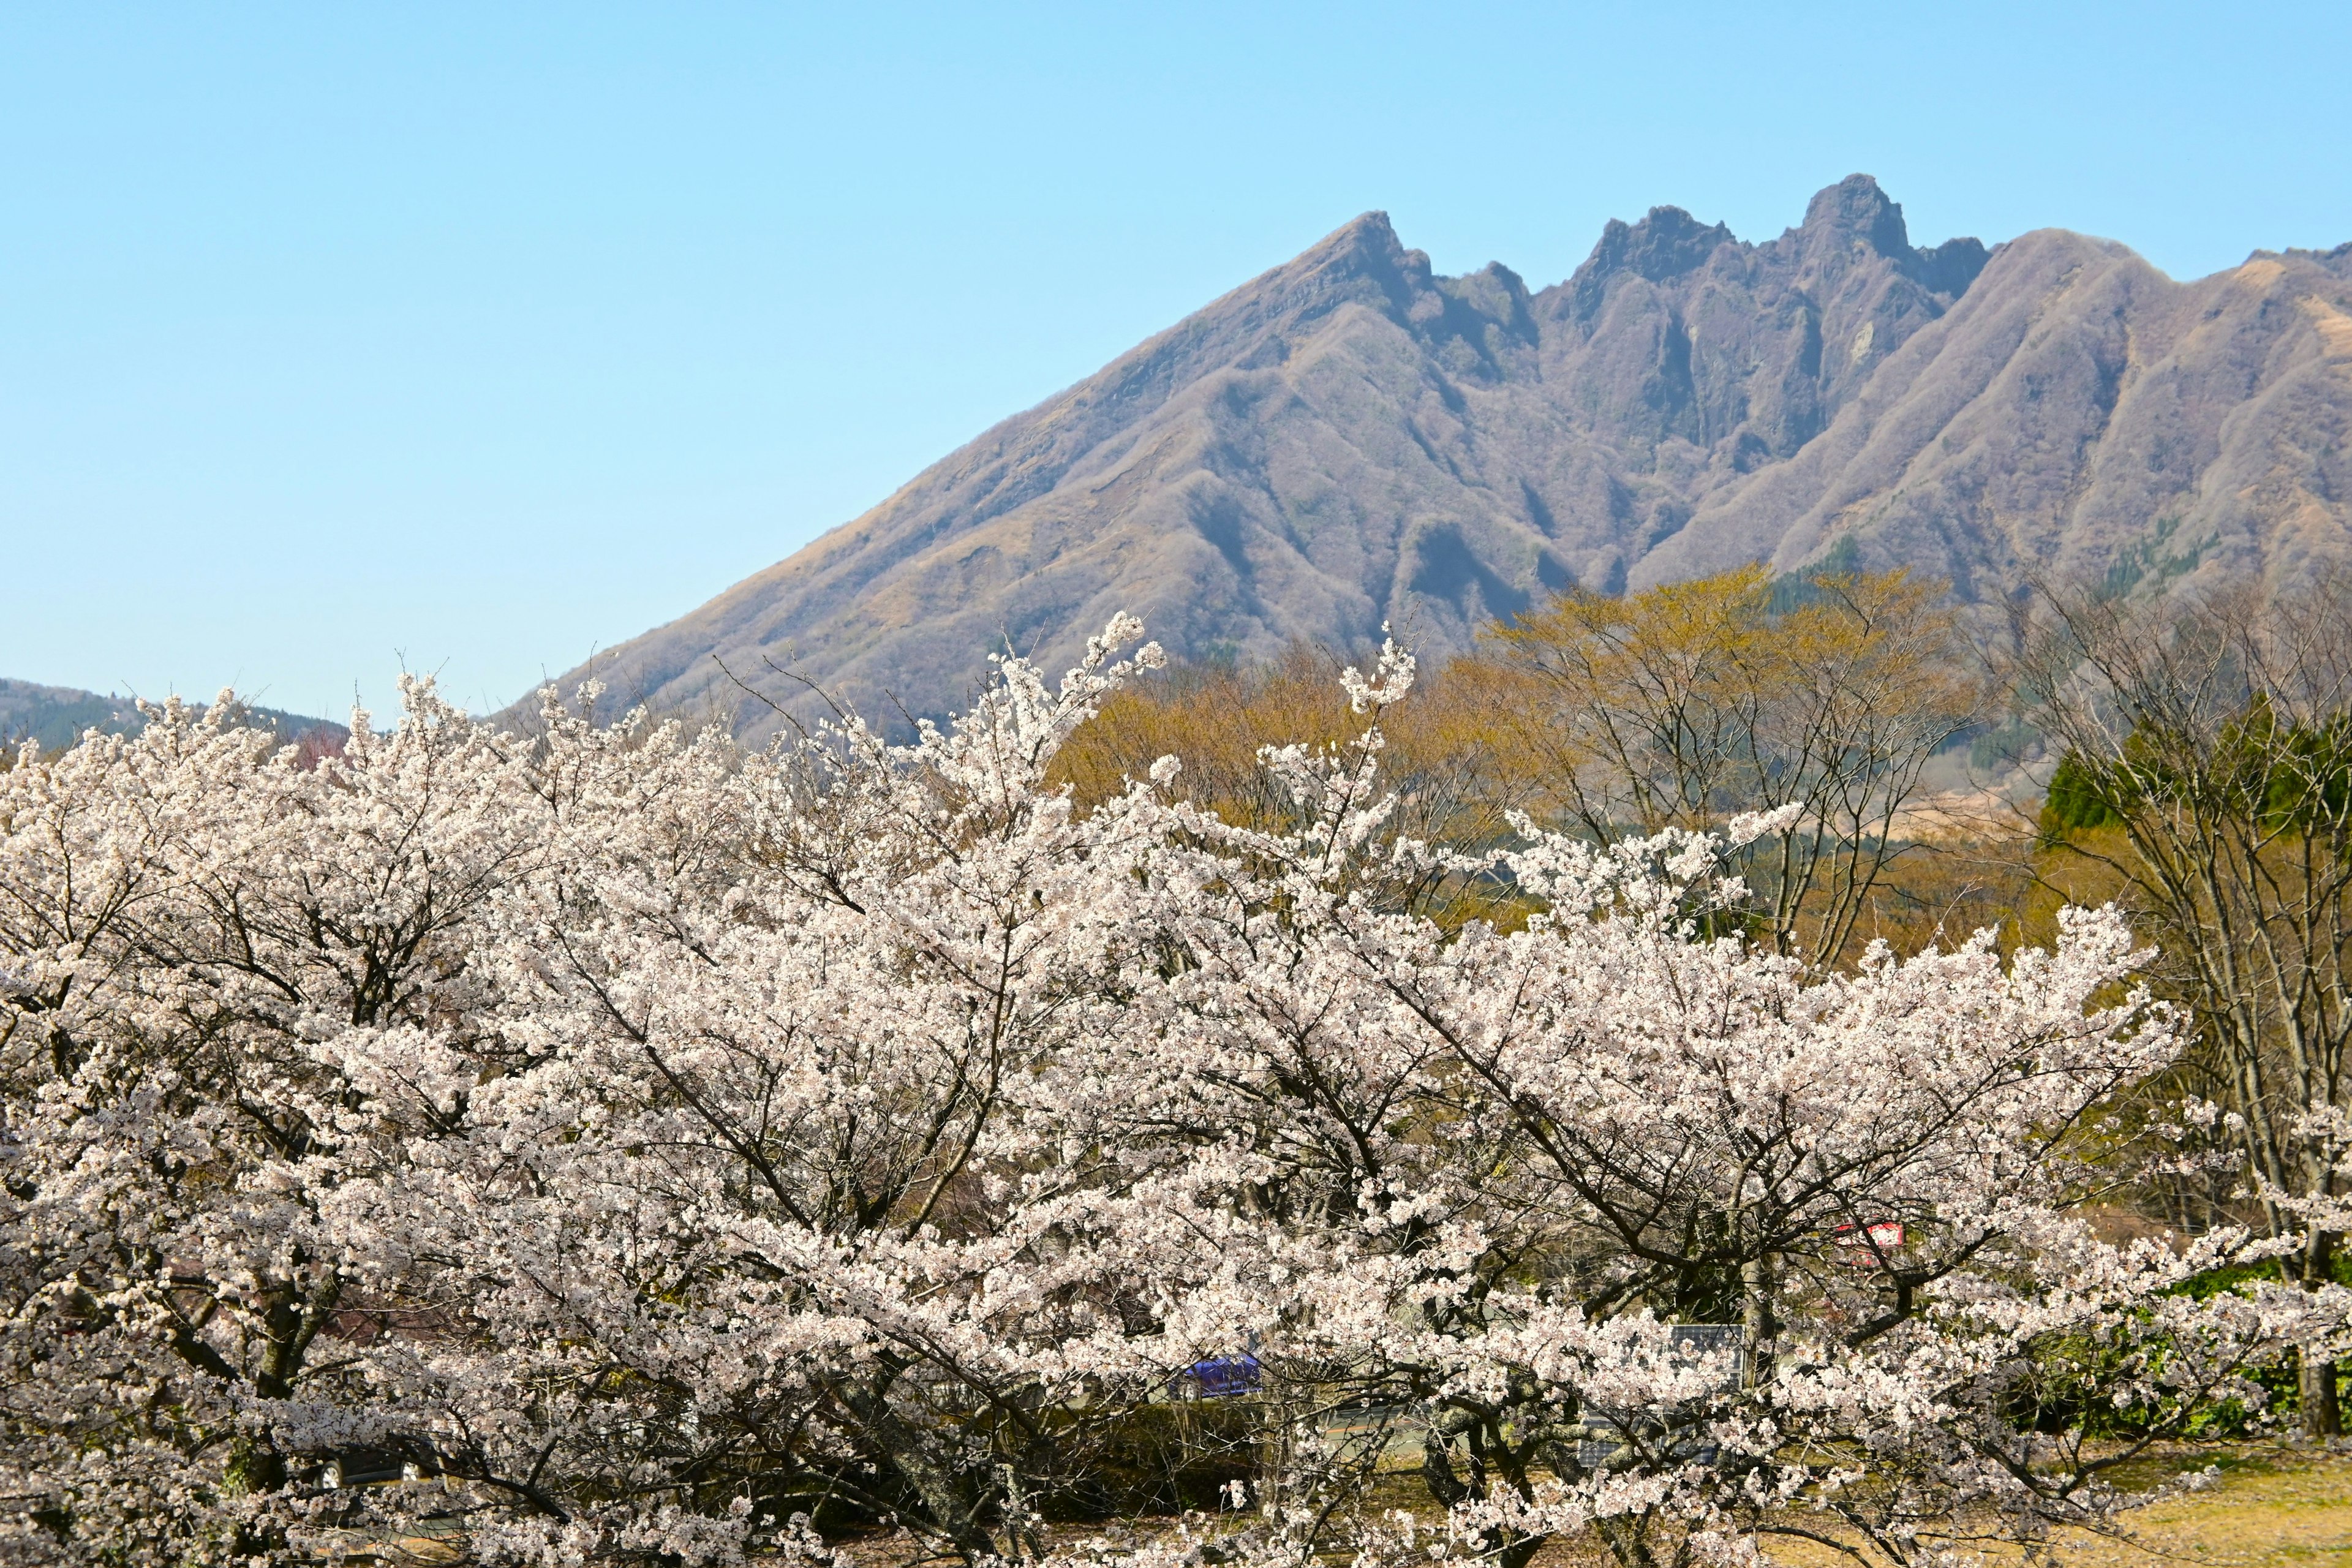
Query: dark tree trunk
(2322, 1416)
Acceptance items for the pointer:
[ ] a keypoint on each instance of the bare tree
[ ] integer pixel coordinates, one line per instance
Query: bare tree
(2207, 774)
(1682, 705)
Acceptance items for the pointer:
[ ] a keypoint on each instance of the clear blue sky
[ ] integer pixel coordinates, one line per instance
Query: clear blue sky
(333, 336)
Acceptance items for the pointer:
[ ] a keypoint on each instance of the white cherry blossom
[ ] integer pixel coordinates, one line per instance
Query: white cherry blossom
(619, 1145)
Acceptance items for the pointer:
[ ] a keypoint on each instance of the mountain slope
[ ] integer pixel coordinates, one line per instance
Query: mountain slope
(57, 716)
(1351, 438)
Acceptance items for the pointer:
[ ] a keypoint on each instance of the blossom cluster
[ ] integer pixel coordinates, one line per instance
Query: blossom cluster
(618, 1144)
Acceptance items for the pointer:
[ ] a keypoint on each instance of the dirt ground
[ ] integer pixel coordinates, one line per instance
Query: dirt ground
(2282, 1506)
(2273, 1507)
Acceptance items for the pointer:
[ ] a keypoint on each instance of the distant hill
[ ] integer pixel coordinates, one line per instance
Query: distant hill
(57, 716)
(1351, 438)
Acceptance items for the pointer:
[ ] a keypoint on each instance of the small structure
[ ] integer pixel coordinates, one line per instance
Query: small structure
(1608, 1440)
(1860, 1246)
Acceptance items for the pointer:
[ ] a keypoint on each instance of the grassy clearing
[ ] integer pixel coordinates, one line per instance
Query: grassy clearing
(2273, 1507)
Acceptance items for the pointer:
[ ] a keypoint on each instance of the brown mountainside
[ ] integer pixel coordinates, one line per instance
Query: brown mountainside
(1350, 439)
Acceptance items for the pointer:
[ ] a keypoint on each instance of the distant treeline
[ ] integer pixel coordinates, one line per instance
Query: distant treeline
(57, 716)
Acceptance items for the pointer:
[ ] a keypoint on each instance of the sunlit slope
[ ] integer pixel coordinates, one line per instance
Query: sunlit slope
(1350, 439)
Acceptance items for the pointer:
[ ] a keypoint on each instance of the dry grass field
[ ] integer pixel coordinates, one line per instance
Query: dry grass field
(2272, 1506)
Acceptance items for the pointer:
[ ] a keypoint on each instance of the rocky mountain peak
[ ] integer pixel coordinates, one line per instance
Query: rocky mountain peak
(1856, 209)
(1667, 243)
(1851, 221)
(1855, 214)
(1367, 238)
(1348, 439)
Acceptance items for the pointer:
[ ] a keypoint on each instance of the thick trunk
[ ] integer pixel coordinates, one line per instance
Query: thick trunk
(1627, 1536)
(1758, 1282)
(942, 1493)
(2322, 1416)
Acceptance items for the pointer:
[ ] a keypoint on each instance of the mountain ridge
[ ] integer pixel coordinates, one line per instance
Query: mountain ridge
(1351, 438)
(55, 716)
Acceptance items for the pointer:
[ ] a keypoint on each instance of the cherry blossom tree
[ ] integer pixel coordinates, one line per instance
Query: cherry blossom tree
(186, 919)
(1498, 1172)
(753, 1192)
(648, 1150)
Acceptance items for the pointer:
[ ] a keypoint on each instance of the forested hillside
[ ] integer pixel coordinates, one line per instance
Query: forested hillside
(57, 716)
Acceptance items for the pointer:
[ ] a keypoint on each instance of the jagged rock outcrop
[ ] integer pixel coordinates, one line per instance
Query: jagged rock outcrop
(1351, 438)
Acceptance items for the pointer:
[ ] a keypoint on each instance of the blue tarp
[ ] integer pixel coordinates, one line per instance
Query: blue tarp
(1223, 1376)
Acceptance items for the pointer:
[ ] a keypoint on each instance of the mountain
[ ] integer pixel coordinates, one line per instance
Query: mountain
(1351, 438)
(57, 716)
